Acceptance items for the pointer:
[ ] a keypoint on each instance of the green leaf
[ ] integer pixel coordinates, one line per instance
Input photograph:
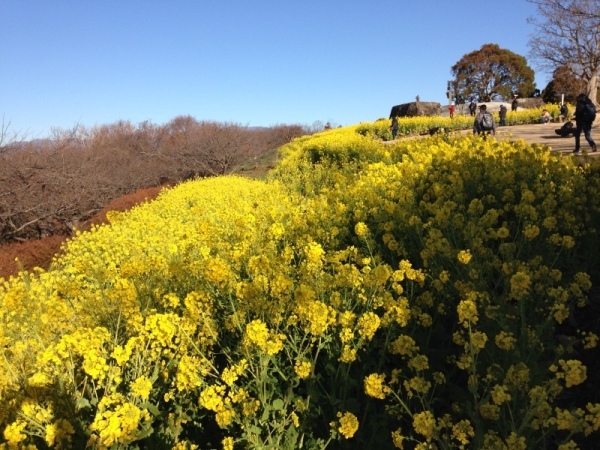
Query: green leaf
(278, 404)
(145, 433)
(82, 403)
(255, 430)
(151, 408)
(265, 416)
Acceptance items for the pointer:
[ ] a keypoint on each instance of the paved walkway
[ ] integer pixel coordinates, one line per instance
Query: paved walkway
(545, 135)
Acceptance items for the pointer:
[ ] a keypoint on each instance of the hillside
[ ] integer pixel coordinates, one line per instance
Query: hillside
(438, 290)
(39, 252)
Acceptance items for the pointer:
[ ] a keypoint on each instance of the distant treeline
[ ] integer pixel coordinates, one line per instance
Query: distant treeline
(49, 186)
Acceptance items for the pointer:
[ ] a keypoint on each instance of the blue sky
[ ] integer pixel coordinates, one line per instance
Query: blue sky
(255, 63)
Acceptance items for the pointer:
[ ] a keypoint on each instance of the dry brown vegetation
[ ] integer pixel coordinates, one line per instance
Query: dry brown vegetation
(49, 188)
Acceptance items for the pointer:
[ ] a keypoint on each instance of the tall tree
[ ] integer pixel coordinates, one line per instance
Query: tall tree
(492, 73)
(567, 33)
(563, 83)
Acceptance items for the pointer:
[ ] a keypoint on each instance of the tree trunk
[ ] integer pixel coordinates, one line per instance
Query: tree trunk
(592, 88)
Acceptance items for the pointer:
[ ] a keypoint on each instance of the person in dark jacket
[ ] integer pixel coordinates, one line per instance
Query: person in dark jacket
(564, 113)
(394, 127)
(502, 114)
(472, 107)
(585, 114)
(514, 105)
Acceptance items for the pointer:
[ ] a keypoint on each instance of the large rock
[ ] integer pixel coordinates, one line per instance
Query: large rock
(413, 109)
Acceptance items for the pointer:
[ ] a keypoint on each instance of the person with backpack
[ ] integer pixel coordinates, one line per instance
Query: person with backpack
(585, 114)
(484, 122)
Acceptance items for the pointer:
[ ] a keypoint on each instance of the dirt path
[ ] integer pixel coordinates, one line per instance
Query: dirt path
(544, 134)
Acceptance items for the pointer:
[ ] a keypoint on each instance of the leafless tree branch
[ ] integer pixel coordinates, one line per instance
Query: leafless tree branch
(567, 34)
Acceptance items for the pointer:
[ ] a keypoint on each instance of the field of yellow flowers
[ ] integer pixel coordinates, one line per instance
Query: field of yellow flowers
(418, 295)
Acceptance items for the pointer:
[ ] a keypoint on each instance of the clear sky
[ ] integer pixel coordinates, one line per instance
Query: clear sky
(251, 62)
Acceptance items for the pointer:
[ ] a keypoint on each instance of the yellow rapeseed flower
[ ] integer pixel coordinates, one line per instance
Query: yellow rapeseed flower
(503, 233)
(397, 439)
(467, 312)
(211, 398)
(257, 333)
(13, 433)
(119, 426)
(505, 340)
(424, 424)
(520, 285)
(348, 354)
(463, 432)
(489, 411)
(59, 434)
(573, 372)
(417, 384)
(500, 395)
(367, 325)
(531, 231)
(404, 345)
(227, 443)
(141, 387)
(516, 442)
(375, 386)
(361, 230)
(348, 424)
(478, 340)
(464, 256)
(590, 340)
(302, 369)
(419, 363)
(571, 445)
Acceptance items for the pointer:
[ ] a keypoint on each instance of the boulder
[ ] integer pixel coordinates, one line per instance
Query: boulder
(414, 109)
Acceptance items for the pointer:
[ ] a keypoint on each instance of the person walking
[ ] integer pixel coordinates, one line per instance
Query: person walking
(585, 114)
(502, 113)
(484, 122)
(394, 127)
(451, 110)
(514, 105)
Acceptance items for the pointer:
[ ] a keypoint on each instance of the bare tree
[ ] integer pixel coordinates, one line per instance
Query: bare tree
(567, 33)
(48, 186)
(9, 139)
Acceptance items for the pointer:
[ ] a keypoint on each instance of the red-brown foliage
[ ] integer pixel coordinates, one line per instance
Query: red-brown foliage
(39, 252)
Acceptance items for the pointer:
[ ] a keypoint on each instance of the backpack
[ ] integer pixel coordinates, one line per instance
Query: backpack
(589, 112)
(487, 121)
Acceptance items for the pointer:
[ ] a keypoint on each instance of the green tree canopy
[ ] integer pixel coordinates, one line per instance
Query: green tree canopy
(492, 73)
